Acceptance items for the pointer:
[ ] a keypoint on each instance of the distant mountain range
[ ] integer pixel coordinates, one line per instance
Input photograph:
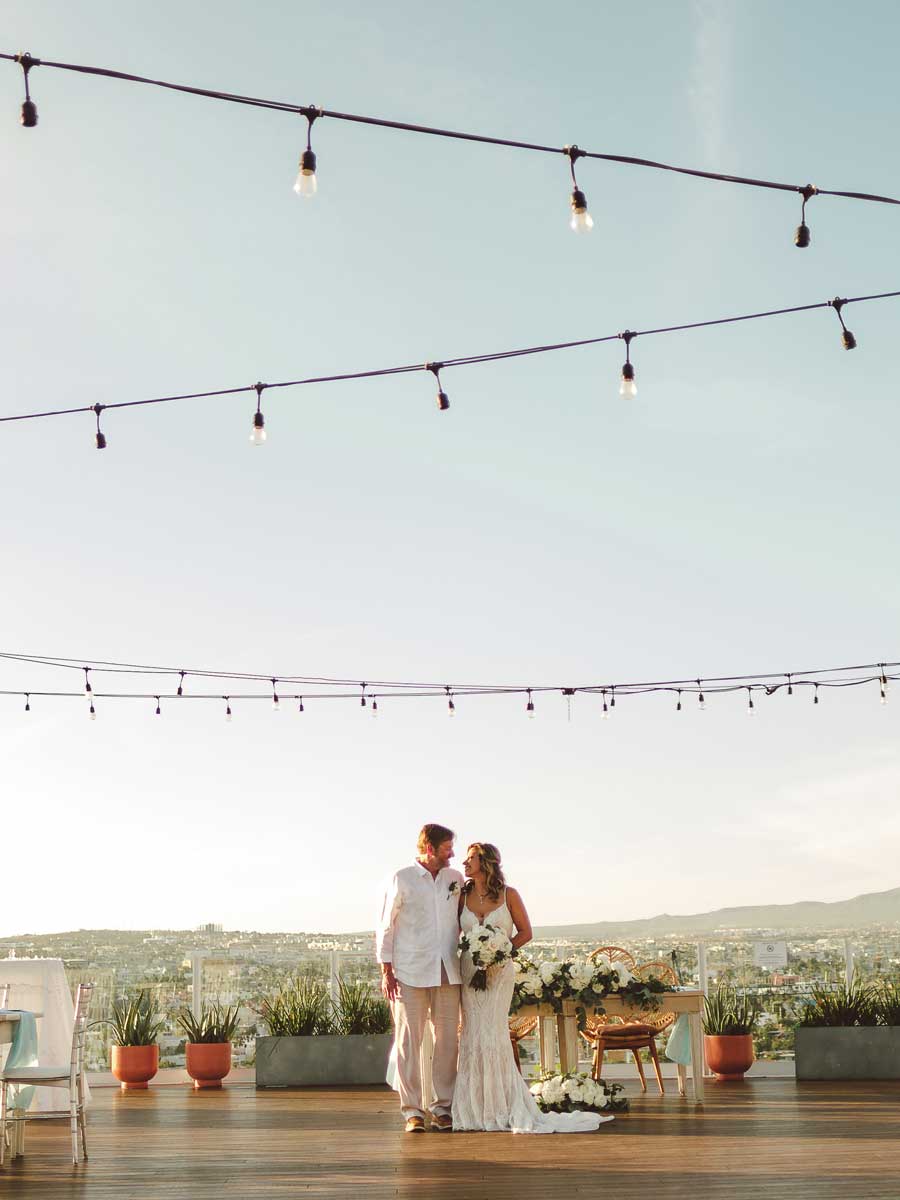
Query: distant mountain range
(874, 908)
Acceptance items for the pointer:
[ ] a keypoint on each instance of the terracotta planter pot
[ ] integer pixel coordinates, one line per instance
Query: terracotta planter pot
(208, 1063)
(729, 1055)
(134, 1065)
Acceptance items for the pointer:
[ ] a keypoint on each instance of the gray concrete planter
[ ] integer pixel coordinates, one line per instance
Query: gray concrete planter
(321, 1060)
(857, 1052)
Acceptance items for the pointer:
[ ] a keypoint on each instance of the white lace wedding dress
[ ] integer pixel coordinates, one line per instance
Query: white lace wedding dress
(490, 1094)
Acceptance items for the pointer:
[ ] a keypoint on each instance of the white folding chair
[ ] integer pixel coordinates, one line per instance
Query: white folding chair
(71, 1077)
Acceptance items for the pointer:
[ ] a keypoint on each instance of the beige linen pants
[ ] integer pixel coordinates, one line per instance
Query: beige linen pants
(412, 1008)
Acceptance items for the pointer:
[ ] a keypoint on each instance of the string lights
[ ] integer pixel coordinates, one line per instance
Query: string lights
(294, 687)
(628, 386)
(306, 179)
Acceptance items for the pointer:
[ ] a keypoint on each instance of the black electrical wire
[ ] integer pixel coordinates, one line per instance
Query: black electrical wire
(461, 361)
(314, 112)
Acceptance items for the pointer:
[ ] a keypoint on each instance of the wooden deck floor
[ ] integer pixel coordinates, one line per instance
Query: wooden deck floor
(760, 1138)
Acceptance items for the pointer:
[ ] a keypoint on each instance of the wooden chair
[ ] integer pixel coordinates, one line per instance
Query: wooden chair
(634, 1035)
(520, 1027)
(70, 1076)
(615, 954)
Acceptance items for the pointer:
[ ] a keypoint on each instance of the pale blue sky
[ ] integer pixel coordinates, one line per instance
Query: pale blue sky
(739, 516)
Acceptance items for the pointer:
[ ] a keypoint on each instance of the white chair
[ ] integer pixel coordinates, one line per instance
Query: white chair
(71, 1077)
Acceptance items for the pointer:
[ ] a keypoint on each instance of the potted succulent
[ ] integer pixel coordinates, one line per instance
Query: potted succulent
(134, 1053)
(314, 1040)
(208, 1050)
(729, 1019)
(850, 1032)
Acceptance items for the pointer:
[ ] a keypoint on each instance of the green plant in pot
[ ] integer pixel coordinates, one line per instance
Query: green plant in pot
(357, 1010)
(134, 1053)
(209, 1037)
(848, 1004)
(729, 1019)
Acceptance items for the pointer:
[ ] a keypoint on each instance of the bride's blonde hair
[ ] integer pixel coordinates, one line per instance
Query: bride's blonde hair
(494, 879)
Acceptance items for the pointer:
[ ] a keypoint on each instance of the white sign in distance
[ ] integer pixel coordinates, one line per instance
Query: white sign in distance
(770, 954)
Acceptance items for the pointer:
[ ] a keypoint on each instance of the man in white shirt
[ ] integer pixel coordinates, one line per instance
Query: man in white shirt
(416, 944)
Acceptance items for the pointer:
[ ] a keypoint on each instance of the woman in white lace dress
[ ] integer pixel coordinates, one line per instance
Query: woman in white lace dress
(490, 1092)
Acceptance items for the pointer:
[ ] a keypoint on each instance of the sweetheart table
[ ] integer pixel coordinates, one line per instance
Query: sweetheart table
(561, 1028)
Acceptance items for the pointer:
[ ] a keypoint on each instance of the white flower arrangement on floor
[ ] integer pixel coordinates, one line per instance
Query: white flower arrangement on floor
(489, 947)
(577, 1092)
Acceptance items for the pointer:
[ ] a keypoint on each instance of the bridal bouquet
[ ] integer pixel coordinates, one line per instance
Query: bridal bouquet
(489, 947)
(577, 1092)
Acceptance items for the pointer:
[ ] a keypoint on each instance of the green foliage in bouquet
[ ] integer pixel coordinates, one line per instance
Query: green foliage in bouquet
(848, 1004)
(217, 1023)
(489, 947)
(135, 1022)
(726, 1011)
(577, 1092)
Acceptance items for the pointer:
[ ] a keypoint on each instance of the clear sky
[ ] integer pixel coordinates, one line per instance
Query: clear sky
(739, 516)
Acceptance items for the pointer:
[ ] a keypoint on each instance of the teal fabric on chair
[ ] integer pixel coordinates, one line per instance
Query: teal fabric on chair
(678, 1047)
(22, 1053)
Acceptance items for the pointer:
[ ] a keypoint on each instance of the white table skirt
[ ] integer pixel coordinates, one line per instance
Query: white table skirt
(39, 984)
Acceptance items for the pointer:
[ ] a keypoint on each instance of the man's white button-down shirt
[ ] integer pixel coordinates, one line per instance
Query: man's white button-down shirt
(419, 925)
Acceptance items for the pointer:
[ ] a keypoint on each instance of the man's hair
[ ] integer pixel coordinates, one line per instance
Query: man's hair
(433, 835)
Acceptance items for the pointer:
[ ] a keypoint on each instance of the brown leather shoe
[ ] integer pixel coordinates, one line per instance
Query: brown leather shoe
(443, 1123)
(415, 1124)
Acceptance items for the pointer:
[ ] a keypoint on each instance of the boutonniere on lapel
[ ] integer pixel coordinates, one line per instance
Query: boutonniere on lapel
(454, 889)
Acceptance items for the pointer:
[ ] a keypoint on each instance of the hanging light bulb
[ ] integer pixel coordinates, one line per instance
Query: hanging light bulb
(87, 683)
(227, 700)
(92, 712)
(300, 708)
(529, 707)
(306, 185)
(801, 234)
(847, 338)
(362, 699)
(27, 702)
(374, 706)
(276, 703)
(790, 686)
(605, 714)
(678, 705)
(581, 220)
(180, 691)
(158, 709)
(701, 699)
(627, 387)
(816, 694)
(751, 711)
(100, 436)
(883, 686)
(443, 400)
(451, 707)
(28, 117)
(258, 430)
(612, 698)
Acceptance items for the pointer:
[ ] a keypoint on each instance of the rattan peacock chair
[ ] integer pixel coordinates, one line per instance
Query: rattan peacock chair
(520, 1027)
(634, 1035)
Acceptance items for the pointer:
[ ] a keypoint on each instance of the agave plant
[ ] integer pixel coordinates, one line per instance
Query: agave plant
(727, 1012)
(848, 1004)
(358, 1011)
(301, 1007)
(887, 1002)
(217, 1023)
(135, 1022)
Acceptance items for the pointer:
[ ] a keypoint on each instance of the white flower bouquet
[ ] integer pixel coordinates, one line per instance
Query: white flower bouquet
(489, 947)
(577, 1092)
(586, 981)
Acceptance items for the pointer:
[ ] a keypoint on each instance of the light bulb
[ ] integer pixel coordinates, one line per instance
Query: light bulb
(276, 703)
(158, 709)
(258, 432)
(451, 708)
(306, 177)
(701, 702)
(227, 710)
(93, 712)
(751, 710)
(27, 703)
(374, 708)
(628, 387)
(581, 221)
(529, 709)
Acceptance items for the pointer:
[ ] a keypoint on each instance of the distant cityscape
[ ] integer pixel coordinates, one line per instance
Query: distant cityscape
(243, 967)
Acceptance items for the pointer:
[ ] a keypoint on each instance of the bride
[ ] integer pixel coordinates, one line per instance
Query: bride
(490, 1092)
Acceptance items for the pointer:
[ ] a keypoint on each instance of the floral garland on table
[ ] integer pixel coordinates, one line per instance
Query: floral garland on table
(489, 947)
(577, 1092)
(586, 981)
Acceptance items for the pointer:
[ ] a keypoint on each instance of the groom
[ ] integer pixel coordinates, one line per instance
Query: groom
(416, 946)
